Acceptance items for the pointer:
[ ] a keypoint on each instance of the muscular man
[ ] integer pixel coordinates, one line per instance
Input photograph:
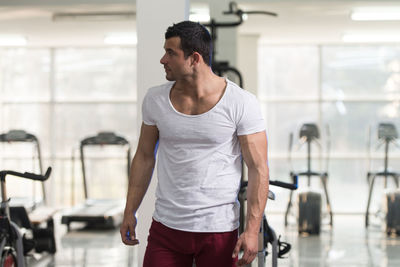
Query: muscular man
(204, 124)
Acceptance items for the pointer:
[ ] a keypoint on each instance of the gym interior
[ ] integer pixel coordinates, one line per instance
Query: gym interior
(73, 75)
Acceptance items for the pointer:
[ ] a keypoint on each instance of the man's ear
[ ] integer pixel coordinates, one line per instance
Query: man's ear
(196, 58)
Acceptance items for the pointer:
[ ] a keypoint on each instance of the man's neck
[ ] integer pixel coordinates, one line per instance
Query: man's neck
(199, 84)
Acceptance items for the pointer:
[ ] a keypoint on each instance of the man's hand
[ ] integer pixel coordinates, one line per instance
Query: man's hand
(127, 230)
(248, 242)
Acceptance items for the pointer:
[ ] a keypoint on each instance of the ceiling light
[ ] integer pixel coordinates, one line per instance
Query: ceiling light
(121, 39)
(94, 16)
(375, 14)
(199, 13)
(371, 38)
(198, 17)
(12, 40)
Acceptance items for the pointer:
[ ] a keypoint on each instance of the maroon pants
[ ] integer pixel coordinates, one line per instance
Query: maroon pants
(168, 247)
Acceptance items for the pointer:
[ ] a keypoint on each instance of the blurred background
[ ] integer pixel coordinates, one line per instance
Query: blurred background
(69, 70)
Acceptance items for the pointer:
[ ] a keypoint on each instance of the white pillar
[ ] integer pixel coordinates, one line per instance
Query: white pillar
(248, 61)
(153, 18)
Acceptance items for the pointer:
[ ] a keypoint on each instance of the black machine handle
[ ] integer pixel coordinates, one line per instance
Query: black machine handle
(27, 175)
(292, 186)
(310, 173)
(234, 10)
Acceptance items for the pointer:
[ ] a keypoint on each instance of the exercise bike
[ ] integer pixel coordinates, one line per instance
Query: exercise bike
(387, 134)
(28, 212)
(14, 242)
(266, 234)
(310, 201)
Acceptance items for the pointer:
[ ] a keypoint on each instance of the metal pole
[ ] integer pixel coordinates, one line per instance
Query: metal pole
(386, 161)
(309, 161)
(84, 172)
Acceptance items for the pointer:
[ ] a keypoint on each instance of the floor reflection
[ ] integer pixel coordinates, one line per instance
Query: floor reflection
(89, 248)
(348, 244)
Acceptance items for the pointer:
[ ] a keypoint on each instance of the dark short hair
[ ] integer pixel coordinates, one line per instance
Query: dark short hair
(194, 38)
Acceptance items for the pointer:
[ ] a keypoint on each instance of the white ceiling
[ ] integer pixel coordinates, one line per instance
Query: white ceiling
(299, 21)
(34, 20)
(314, 21)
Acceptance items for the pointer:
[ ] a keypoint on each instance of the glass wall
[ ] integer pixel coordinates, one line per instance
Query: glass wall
(62, 96)
(347, 91)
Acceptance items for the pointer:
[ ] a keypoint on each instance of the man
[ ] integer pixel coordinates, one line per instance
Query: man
(203, 123)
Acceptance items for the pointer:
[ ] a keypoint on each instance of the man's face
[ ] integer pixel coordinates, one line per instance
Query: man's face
(175, 64)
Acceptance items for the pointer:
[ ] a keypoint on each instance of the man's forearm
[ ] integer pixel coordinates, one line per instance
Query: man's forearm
(139, 180)
(257, 194)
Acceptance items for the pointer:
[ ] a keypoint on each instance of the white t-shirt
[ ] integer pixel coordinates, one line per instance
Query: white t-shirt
(199, 159)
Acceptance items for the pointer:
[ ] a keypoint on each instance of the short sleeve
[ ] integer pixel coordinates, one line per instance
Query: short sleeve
(147, 114)
(251, 120)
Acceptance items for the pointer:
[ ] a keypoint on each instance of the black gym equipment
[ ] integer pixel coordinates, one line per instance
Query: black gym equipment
(98, 213)
(387, 134)
(222, 67)
(27, 213)
(309, 201)
(15, 243)
(267, 234)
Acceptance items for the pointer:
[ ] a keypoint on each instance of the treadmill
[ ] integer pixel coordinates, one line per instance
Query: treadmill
(98, 213)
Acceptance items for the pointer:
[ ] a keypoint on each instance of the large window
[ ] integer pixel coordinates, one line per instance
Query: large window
(63, 96)
(350, 89)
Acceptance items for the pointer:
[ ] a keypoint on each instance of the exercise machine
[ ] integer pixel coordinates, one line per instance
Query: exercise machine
(266, 234)
(98, 213)
(223, 68)
(15, 243)
(387, 134)
(309, 200)
(21, 136)
(31, 213)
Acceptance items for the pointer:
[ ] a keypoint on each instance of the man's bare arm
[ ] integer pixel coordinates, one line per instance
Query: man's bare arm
(254, 151)
(140, 176)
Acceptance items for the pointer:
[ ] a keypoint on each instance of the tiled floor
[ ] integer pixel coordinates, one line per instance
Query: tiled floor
(88, 248)
(348, 244)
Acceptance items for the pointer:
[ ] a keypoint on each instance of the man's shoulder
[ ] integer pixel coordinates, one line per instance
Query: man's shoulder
(239, 93)
(158, 89)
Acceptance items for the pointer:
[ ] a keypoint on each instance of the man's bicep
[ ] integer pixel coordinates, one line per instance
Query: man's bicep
(254, 148)
(148, 139)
